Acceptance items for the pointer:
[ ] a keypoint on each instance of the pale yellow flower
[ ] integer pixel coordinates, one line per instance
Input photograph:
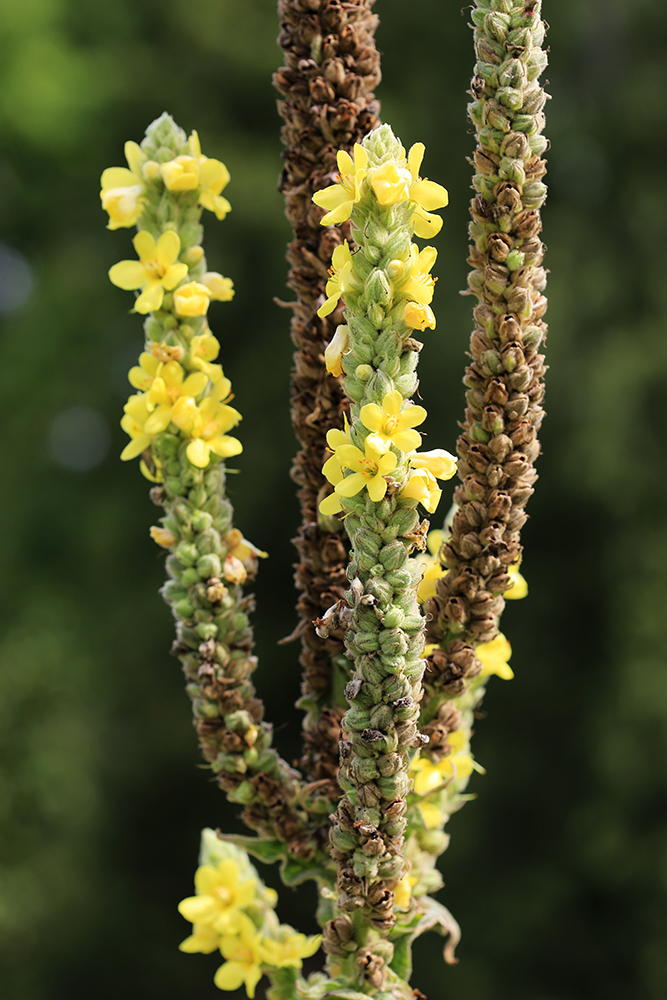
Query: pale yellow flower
(207, 425)
(141, 376)
(181, 173)
(243, 952)
(438, 462)
(392, 423)
(427, 194)
(433, 570)
(133, 423)
(368, 468)
(418, 316)
(336, 349)
(420, 283)
(289, 951)
(339, 199)
(155, 271)
(123, 191)
(422, 486)
(192, 299)
(519, 585)
(213, 177)
(341, 280)
(162, 536)
(220, 898)
(403, 892)
(169, 387)
(391, 183)
(219, 288)
(495, 656)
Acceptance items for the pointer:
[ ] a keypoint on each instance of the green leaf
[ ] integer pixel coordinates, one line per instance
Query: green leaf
(401, 963)
(268, 851)
(295, 872)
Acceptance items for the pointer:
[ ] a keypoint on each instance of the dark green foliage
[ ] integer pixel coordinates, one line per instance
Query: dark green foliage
(557, 873)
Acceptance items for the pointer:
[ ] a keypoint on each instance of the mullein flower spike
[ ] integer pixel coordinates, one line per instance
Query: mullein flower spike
(478, 558)
(234, 912)
(179, 420)
(372, 464)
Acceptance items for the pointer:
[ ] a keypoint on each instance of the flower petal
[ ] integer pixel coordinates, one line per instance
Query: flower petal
(150, 299)
(429, 195)
(135, 447)
(377, 488)
(128, 274)
(230, 976)
(168, 248)
(198, 453)
(351, 485)
(145, 245)
(224, 446)
(372, 416)
(115, 177)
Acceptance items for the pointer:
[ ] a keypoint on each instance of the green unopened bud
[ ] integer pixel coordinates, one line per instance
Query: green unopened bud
(515, 259)
(364, 867)
(201, 520)
(433, 841)
(184, 608)
(343, 840)
(393, 556)
(207, 630)
(381, 718)
(186, 553)
(363, 373)
(393, 643)
(395, 786)
(393, 617)
(208, 566)
(364, 769)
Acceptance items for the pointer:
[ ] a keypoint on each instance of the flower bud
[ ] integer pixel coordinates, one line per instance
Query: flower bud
(209, 565)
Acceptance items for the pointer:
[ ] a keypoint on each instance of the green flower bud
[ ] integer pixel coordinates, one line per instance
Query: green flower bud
(206, 630)
(186, 553)
(208, 566)
(393, 556)
(363, 866)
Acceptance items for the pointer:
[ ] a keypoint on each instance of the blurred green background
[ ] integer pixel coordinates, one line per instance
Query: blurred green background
(557, 873)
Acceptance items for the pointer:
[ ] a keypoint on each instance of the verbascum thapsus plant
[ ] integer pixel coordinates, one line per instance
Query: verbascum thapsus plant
(397, 662)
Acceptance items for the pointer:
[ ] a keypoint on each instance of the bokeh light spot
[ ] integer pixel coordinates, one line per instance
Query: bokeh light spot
(79, 438)
(16, 279)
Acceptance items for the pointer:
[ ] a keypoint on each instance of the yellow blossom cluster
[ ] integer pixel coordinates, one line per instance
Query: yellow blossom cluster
(391, 425)
(411, 281)
(390, 183)
(124, 189)
(431, 779)
(179, 387)
(233, 912)
(170, 396)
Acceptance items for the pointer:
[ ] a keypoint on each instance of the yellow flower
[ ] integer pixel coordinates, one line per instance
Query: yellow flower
(519, 586)
(220, 897)
(368, 468)
(418, 316)
(133, 423)
(422, 486)
(181, 173)
(403, 892)
(420, 283)
(393, 424)
(289, 952)
(192, 299)
(162, 536)
(438, 462)
(204, 348)
(207, 425)
(433, 571)
(332, 469)
(241, 548)
(155, 270)
(339, 199)
(495, 656)
(203, 940)
(219, 288)
(123, 190)
(334, 351)
(243, 952)
(427, 194)
(213, 177)
(429, 776)
(141, 376)
(391, 184)
(340, 281)
(168, 387)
